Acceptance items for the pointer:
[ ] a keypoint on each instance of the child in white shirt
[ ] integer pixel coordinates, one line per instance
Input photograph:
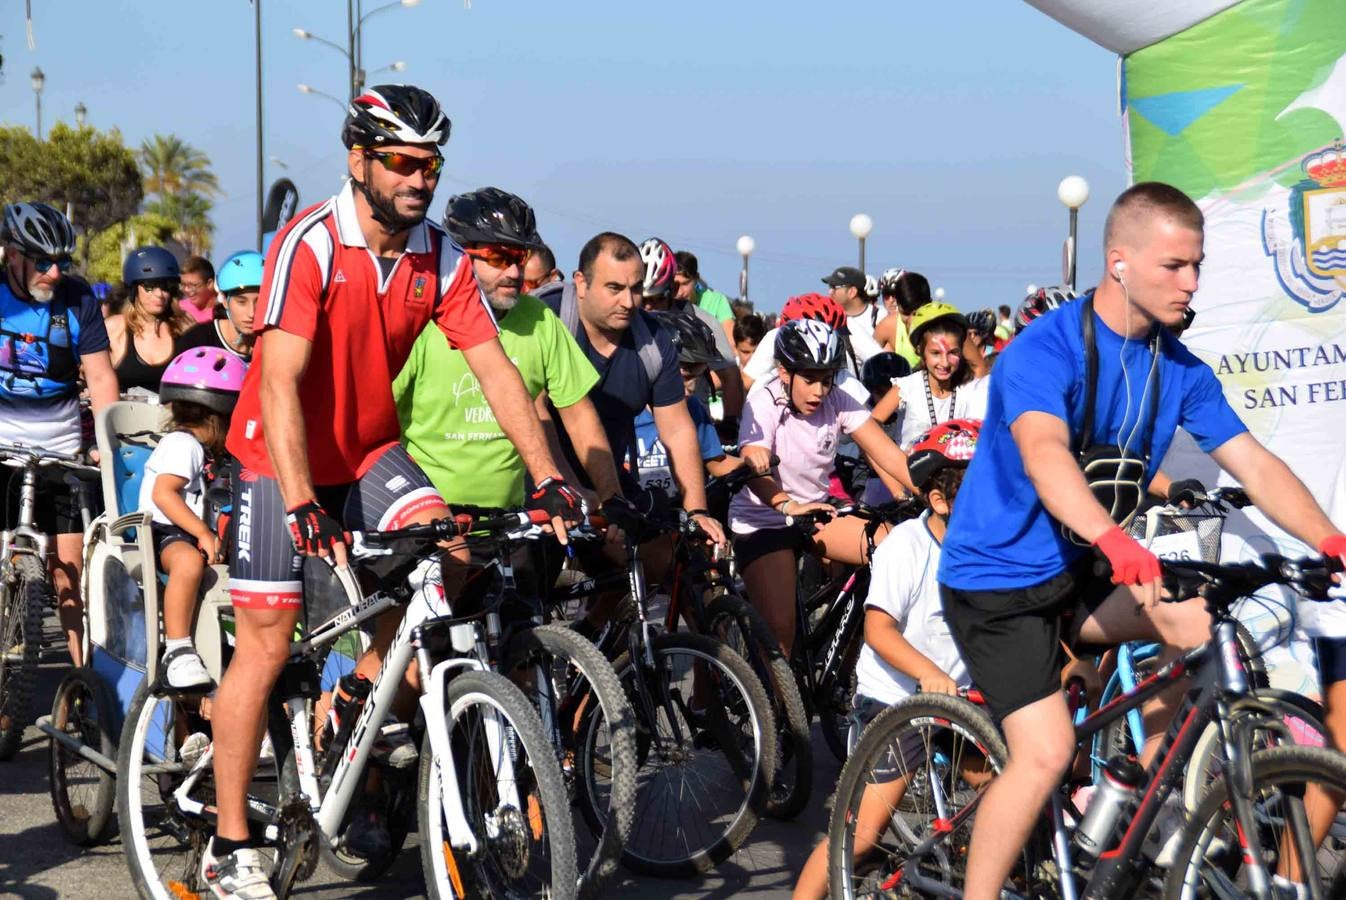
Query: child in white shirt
(908, 647)
(200, 387)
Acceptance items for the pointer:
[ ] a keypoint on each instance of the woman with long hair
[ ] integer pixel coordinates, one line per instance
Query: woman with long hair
(143, 334)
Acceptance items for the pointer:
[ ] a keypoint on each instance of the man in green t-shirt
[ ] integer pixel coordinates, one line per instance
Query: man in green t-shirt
(447, 426)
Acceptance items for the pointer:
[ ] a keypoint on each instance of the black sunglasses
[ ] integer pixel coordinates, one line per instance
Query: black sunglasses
(164, 284)
(44, 263)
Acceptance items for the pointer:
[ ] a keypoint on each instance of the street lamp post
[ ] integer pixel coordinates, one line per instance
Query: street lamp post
(81, 114)
(354, 50)
(861, 226)
(39, 80)
(1073, 191)
(746, 245)
(309, 89)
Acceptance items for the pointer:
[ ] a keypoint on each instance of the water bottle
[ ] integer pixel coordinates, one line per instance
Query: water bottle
(347, 700)
(1121, 779)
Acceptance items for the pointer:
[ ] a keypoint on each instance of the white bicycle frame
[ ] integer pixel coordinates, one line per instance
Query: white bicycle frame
(330, 810)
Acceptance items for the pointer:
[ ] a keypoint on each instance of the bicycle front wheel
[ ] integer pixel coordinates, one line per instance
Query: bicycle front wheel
(913, 773)
(706, 742)
(82, 793)
(1211, 857)
(24, 598)
(512, 796)
(592, 728)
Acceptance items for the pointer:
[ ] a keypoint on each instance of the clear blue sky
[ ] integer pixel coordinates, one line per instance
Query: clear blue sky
(950, 124)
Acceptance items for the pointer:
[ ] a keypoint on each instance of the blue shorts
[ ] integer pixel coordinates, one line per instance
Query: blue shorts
(1331, 653)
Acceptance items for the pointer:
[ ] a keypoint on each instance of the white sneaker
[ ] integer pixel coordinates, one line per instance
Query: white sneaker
(184, 670)
(240, 875)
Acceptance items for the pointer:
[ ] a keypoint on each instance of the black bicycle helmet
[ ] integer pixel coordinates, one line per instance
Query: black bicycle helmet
(491, 216)
(394, 114)
(880, 370)
(807, 344)
(1039, 303)
(36, 229)
(692, 337)
(982, 322)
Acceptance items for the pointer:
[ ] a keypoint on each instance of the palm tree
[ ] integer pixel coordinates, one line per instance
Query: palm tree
(172, 166)
(179, 177)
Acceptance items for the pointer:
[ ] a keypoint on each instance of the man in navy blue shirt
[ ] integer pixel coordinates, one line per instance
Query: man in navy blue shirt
(637, 368)
(1008, 574)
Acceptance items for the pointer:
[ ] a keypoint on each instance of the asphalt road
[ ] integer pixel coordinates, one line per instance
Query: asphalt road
(37, 862)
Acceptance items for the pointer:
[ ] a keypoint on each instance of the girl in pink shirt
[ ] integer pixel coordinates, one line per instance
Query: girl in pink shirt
(797, 416)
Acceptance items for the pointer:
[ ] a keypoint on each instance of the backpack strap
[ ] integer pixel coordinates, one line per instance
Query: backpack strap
(570, 309)
(1086, 437)
(647, 348)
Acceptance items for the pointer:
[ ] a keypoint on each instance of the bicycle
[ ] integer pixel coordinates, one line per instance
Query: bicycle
(829, 623)
(487, 789)
(26, 592)
(704, 593)
(1100, 853)
(717, 756)
(583, 709)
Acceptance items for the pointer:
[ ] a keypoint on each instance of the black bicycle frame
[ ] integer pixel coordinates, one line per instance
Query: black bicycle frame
(839, 629)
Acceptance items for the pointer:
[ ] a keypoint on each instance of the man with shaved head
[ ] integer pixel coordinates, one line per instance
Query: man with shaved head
(1018, 558)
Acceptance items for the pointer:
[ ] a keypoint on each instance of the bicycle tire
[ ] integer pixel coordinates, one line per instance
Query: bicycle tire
(398, 796)
(1201, 770)
(24, 598)
(1199, 857)
(541, 779)
(965, 722)
(719, 739)
(611, 711)
(82, 793)
(739, 625)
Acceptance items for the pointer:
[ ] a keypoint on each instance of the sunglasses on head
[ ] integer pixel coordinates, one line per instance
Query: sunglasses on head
(405, 164)
(500, 256)
(44, 263)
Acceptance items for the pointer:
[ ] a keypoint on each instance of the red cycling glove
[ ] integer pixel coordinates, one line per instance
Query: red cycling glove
(313, 529)
(1334, 545)
(1131, 563)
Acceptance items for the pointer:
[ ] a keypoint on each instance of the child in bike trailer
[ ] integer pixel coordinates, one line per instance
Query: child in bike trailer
(907, 642)
(798, 416)
(200, 387)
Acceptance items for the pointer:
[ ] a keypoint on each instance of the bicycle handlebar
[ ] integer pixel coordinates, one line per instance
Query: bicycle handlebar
(21, 453)
(738, 479)
(892, 512)
(464, 521)
(1309, 576)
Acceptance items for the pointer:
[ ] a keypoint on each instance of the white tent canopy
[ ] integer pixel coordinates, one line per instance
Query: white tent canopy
(1124, 26)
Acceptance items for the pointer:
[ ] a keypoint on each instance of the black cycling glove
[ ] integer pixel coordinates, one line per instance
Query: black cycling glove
(557, 499)
(313, 529)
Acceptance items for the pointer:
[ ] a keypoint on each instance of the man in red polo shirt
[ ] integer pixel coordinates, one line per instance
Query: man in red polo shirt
(348, 286)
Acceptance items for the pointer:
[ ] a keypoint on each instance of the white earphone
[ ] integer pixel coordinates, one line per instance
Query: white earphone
(1119, 269)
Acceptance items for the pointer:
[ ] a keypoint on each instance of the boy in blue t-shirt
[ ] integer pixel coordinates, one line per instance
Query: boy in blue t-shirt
(1008, 575)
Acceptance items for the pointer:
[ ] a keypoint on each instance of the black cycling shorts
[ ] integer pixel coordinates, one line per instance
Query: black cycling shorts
(265, 570)
(56, 510)
(748, 548)
(1011, 639)
(1331, 653)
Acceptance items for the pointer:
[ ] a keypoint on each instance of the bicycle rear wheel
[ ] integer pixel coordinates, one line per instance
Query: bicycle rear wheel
(24, 598)
(518, 813)
(1210, 859)
(162, 842)
(735, 622)
(913, 773)
(707, 756)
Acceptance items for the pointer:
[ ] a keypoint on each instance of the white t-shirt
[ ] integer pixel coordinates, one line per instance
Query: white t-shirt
(863, 322)
(968, 402)
(904, 585)
(180, 454)
(762, 363)
(806, 445)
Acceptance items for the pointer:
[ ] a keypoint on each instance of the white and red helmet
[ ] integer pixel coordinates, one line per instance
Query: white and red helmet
(660, 268)
(394, 114)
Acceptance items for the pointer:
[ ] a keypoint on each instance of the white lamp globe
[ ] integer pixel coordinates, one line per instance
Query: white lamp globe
(1073, 191)
(939, 293)
(746, 245)
(861, 226)
(1030, 290)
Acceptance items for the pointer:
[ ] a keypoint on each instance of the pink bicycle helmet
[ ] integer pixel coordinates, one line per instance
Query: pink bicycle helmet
(209, 376)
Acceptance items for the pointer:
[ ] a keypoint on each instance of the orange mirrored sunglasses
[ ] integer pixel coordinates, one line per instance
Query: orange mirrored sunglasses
(500, 256)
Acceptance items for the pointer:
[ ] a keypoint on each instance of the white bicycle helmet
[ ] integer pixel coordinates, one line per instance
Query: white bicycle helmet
(36, 229)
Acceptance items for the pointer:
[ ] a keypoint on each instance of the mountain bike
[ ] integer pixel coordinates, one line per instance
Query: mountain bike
(1251, 822)
(705, 733)
(489, 792)
(26, 592)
